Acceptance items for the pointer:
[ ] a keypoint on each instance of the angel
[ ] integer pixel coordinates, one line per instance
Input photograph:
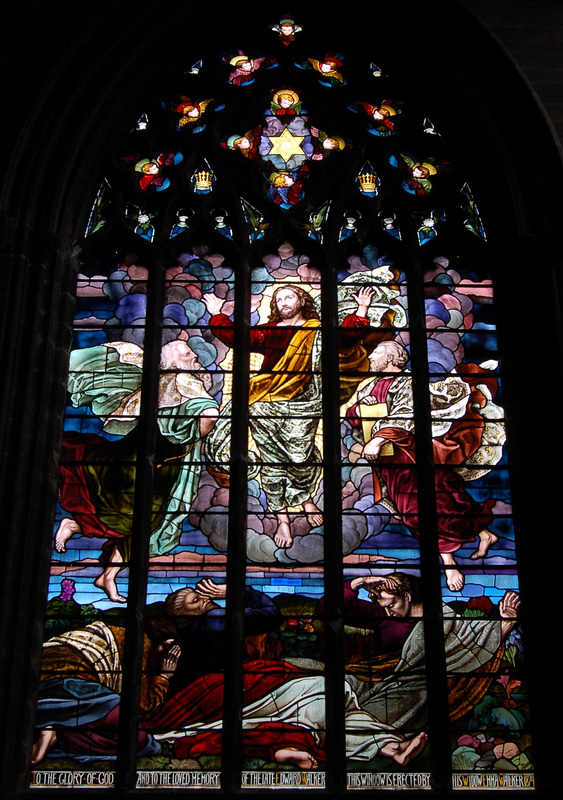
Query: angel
(152, 169)
(190, 113)
(286, 102)
(328, 69)
(324, 144)
(286, 187)
(286, 28)
(244, 67)
(418, 173)
(380, 123)
(246, 143)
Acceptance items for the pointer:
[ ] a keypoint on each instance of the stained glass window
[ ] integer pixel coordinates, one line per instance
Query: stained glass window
(284, 473)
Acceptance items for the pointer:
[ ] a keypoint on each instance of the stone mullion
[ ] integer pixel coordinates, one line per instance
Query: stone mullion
(232, 751)
(436, 676)
(334, 595)
(142, 515)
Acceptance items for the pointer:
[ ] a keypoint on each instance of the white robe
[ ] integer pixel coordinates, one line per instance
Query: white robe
(376, 714)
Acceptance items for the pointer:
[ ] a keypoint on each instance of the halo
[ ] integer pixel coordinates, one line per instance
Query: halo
(340, 141)
(143, 162)
(240, 59)
(293, 94)
(430, 167)
(336, 62)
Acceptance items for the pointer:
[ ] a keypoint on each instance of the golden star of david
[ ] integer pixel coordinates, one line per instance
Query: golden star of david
(286, 145)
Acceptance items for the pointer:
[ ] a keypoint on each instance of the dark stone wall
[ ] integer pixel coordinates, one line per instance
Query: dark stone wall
(69, 54)
(531, 31)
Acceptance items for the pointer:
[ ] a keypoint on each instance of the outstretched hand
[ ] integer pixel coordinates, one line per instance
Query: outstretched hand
(213, 303)
(208, 588)
(509, 606)
(363, 298)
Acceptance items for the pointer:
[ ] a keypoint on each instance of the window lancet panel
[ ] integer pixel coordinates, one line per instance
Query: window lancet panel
(296, 306)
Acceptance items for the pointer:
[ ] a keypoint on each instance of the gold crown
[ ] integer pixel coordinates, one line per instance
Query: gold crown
(203, 179)
(368, 182)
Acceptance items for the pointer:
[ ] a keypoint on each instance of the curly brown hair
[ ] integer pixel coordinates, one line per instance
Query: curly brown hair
(403, 584)
(308, 310)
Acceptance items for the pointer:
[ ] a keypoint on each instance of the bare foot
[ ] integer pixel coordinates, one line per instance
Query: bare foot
(65, 530)
(300, 758)
(47, 739)
(486, 539)
(283, 537)
(403, 752)
(106, 582)
(314, 514)
(454, 578)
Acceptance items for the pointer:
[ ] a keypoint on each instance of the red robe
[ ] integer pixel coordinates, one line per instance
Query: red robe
(202, 701)
(460, 517)
(272, 340)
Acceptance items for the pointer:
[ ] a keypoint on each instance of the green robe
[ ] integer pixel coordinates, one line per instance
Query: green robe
(100, 379)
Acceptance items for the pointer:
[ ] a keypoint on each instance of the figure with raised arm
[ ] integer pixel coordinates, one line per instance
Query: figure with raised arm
(285, 398)
(400, 698)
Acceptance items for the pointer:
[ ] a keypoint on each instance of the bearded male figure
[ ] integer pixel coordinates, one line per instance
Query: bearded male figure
(97, 474)
(285, 399)
(459, 412)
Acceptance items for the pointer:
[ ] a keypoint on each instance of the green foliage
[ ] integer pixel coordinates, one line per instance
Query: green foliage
(67, 615)
(510, 654)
